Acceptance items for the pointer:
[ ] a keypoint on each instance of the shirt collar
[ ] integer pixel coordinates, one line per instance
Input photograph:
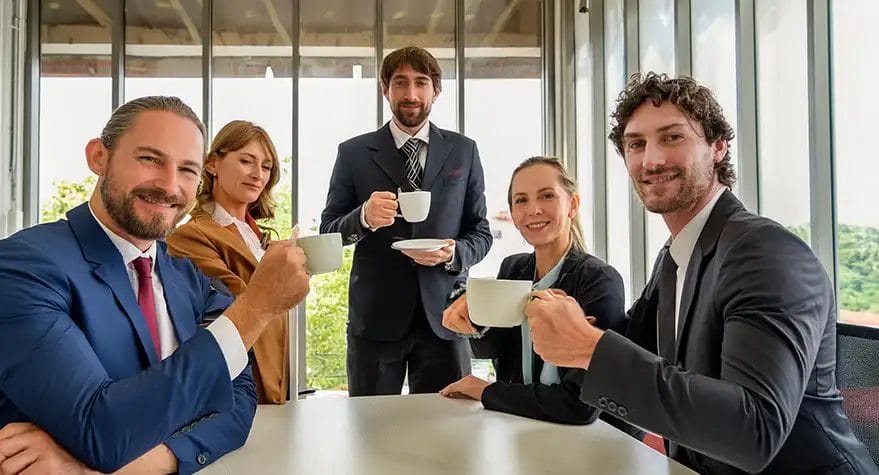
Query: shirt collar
(129, 251)
(401, 137)
(682, 246)
(219, 214)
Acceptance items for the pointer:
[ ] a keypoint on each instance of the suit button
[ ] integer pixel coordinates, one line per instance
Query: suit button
(201, 459)
(602, 402)
(176, 434)
(622, 411)
(612, 406)
(187, 429)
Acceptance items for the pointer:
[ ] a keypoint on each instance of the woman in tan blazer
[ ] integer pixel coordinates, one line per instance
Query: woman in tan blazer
(224, 241)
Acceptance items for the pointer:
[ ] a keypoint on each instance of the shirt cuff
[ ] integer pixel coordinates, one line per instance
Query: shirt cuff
(452, 265)
(363, 217)
(231, 345)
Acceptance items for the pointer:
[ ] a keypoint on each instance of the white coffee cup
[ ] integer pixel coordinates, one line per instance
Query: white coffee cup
(497, 302)
(324, 252)
(414, 205)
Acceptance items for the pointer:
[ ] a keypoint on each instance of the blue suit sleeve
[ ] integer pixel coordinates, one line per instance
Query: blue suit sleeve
(210, 437)
(51, 374)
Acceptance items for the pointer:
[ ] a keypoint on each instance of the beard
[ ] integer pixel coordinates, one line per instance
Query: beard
(409, 118)
(120, 207)
(694, 184)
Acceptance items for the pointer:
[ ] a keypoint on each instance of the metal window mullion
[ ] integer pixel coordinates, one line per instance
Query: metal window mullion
(460, 63)
(17, 46)
(379, 56)
(821, 159)
(117, 55)
(299, 320)
(565, 102)
(599, 130)
(683, 37)
(747, 135)
(31, 142)
(547, 83)
(637, 216)
(207, 62)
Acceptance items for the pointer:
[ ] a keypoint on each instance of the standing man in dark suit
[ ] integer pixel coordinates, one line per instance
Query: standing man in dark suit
(396, 300)
(731, 349)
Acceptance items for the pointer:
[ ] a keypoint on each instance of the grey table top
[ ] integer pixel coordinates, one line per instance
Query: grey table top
(429, 434)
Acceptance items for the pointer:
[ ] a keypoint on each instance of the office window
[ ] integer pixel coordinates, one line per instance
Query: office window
(337, 101)
(163, 50)
(432, 27)
(854, 70)
(584, 102)
(618, 187)
(714, 59)
(656, 38)
(782, 113)
(253, 80)
(74, 56)
(503, 106)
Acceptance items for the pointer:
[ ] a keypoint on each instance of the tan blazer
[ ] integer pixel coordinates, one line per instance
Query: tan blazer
(220, 252)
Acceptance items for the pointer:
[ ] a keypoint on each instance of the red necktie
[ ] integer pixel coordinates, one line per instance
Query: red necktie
(146, 299)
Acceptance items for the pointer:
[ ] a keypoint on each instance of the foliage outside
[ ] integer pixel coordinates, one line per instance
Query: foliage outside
(327, 304)
(858, 266)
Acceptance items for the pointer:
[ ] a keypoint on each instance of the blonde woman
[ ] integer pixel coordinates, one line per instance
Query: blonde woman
(224, 240)
(544, 205)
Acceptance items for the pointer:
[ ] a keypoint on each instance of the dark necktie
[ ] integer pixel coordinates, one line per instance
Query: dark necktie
(147, 300)
(665, 318)
(412, 166)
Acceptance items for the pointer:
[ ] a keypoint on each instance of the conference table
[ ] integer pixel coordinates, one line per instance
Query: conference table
(427, 434)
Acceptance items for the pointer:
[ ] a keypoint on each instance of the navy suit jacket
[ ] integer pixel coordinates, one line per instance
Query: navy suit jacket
(76, 356)
(386, 285)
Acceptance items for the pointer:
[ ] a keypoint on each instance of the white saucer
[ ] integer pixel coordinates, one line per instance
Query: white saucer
(426, 245)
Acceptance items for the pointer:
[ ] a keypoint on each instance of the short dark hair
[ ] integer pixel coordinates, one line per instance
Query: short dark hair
(696, 101)
(418, 59)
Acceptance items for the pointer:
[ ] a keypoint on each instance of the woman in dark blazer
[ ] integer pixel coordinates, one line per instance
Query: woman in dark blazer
(544, 206)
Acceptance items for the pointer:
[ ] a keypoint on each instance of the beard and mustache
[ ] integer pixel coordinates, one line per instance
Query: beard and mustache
(694, 183)
(120, 207)
(411, 118)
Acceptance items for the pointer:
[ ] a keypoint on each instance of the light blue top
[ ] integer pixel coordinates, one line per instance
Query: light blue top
(550, 373)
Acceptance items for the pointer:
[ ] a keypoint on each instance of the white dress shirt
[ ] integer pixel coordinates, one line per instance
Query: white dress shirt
(400, 139)
(681, 249)
(223, 330)
(224, 218)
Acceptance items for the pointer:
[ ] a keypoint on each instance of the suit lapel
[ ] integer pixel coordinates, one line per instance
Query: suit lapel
(386, 155)
(437, 153)
(176, 299)
(726, 205)
(110, 269)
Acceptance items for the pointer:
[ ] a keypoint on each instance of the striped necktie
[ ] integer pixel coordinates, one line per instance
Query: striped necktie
(413, 167)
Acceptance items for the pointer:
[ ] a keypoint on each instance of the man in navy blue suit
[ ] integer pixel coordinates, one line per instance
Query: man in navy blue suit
(396, 300)
(103, 364)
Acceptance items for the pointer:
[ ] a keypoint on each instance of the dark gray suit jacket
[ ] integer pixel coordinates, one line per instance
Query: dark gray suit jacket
(752, 384)
(385, 285)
